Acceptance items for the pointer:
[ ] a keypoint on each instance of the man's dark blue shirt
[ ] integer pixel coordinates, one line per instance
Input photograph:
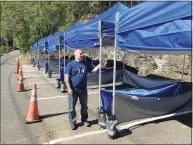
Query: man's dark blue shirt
(78, 73)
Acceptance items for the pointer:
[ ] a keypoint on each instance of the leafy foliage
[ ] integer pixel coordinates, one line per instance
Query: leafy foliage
(25, 23)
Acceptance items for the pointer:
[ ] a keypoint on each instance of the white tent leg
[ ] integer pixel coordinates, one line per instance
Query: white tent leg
(59, 53)
(39, 56)
(114, 68)
(100, 55)
(64, 56)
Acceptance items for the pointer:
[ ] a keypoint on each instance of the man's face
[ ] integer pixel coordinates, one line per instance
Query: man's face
(78, 54)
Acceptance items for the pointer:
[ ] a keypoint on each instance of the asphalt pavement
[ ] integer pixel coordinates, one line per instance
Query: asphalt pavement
(14, 107)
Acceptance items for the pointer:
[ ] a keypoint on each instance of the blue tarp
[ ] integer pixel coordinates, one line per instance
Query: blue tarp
(53, 40)
(163, 91)
(41, 43)
(34, 47)
(156, 28)
(53, 43)
(88, 36)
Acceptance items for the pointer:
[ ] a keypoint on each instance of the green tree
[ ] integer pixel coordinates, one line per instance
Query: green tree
(25, 23)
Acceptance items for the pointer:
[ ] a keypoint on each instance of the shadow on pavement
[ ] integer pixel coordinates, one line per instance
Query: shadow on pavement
(123, 133)
(30, 78)
(52, 115)
(184, 119)
(25, 90)
(92, 122)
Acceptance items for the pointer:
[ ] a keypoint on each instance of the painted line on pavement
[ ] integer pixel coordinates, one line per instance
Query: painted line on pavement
(47, 98)
(17, 141)
(28, 76)
(52, 97)
(42, 83)
(122, 127)
(76, 136)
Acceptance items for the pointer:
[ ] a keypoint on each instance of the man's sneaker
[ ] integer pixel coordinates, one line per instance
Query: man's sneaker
(72, 126)
(86, 124)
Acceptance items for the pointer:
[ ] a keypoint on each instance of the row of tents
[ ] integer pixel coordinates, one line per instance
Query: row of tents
(150, 27)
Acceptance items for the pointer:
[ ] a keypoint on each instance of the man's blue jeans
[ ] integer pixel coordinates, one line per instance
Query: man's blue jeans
(83, 96)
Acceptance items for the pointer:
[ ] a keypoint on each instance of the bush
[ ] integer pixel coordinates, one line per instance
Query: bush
(4, 49)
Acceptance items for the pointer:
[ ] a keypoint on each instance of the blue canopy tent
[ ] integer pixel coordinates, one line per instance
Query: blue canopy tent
(56, 42)
(151, 28)
(95, 33)
(53, 43)
(89, 35)
(43, 49)
(42, 44)
(166, 31)
(32, 51)
(34, 48)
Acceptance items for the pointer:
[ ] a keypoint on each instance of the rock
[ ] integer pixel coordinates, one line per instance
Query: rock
(147, 64)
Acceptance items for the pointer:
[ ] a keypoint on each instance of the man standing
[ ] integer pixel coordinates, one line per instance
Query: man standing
(76, 82)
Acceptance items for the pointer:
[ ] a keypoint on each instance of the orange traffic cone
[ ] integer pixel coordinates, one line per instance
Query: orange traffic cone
(33, 115)
(17, 66)
(20, 86)
(20, 72)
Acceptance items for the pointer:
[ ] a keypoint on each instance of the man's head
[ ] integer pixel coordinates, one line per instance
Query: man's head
(78, 54)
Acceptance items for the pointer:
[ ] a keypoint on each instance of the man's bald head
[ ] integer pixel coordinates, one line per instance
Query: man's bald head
(78, 54)
(77, 51)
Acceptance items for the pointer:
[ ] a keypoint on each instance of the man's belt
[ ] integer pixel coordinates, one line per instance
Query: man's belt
(77, 89)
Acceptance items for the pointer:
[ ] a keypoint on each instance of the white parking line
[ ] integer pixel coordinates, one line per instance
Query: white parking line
(28, 76)
(16, 141)
(61, 96)
(52, 97)
(42, 83)
(122, 127)
(29, 72)
(76, 136)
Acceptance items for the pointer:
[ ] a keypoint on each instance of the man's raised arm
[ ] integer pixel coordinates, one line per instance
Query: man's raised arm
(96, 68)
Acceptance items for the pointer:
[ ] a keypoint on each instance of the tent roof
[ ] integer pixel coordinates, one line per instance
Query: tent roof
(156, 28)
(109, 14)
(53, 45)
(88, 35)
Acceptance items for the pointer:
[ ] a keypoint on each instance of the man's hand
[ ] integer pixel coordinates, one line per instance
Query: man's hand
(70, 92)
(67, 78)
(96, 68)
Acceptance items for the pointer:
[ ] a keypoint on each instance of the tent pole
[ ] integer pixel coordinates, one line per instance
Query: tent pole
(48, 59)
(114, 68)
(38, 55)
(183, 69)
(47, 56)
(64, 55)
(46, 51)
(100, 54)
(59, 52)
(124, 52)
